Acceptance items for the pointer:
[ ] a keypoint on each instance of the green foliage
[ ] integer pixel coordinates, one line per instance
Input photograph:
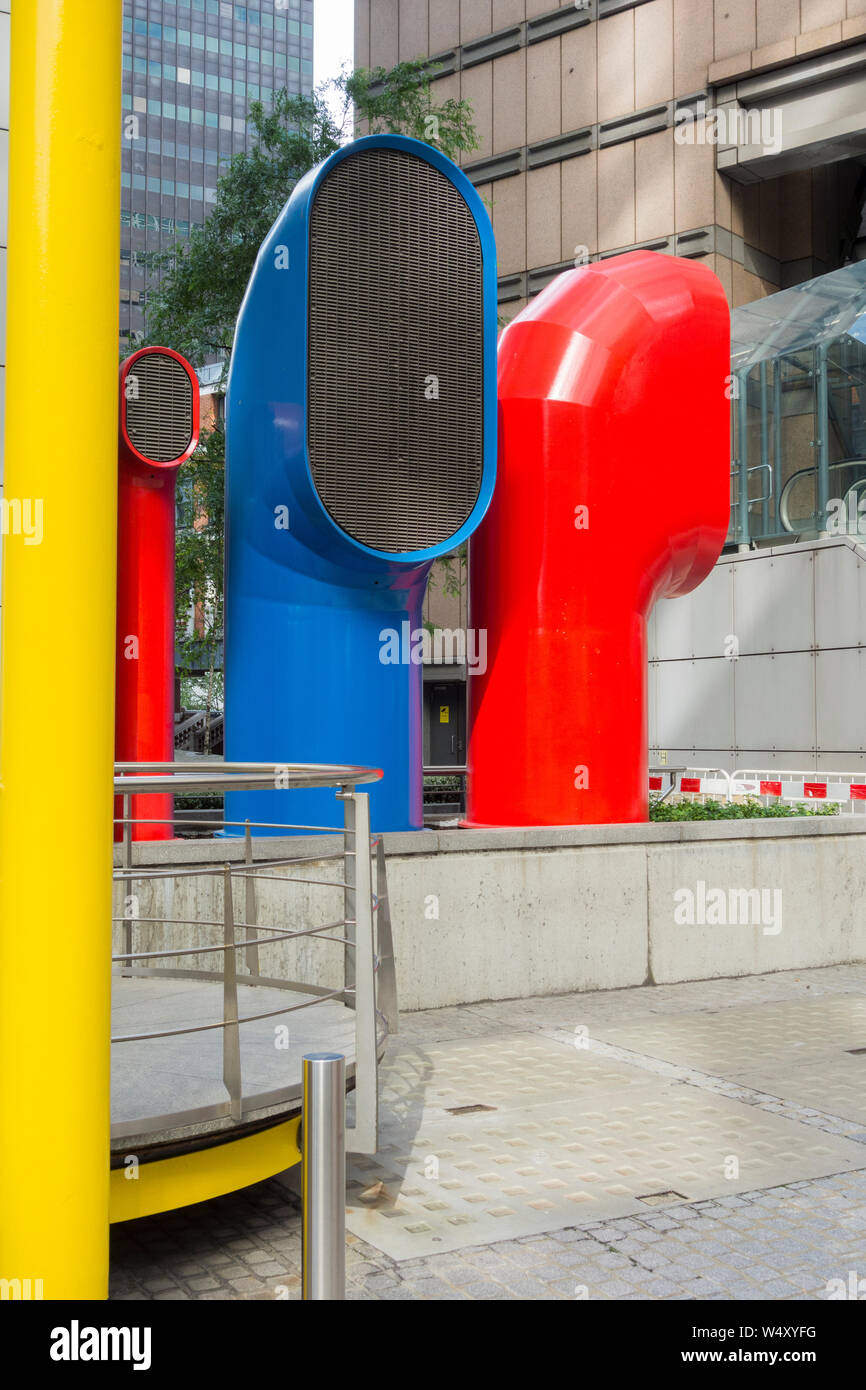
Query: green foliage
(745, 810)
(199, 549)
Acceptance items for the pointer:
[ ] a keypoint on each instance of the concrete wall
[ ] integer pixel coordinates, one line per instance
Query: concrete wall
(512, 913)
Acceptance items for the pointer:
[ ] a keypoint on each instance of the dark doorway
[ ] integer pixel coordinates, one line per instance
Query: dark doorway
(445, 721)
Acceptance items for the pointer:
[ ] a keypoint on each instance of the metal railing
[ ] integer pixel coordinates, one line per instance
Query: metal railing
(361, 936)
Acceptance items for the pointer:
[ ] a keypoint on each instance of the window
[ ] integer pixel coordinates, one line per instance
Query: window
(183, 75)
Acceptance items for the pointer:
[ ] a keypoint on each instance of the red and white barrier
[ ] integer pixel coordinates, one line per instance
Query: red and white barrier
(768, 785)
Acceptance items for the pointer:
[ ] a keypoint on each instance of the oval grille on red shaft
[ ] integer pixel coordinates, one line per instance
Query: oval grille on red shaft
(395, 412)
(158, 402)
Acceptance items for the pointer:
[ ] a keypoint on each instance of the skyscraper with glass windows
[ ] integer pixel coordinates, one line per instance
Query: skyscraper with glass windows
(190, 70)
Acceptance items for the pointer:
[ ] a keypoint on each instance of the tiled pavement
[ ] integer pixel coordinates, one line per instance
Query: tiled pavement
(688, 1089)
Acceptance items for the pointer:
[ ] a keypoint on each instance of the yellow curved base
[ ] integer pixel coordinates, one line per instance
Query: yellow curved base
(168, 1183)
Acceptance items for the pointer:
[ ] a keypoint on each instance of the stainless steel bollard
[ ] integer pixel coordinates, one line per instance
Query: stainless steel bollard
(323, 1177)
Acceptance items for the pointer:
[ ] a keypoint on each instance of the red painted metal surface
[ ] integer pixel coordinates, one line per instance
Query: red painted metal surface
(612, 492)
(144, 683)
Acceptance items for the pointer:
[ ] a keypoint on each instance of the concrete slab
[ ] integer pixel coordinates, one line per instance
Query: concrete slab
(165, 1076)
(569, 1136)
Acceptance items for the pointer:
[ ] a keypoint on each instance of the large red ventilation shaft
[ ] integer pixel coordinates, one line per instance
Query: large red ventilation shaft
(613, 492)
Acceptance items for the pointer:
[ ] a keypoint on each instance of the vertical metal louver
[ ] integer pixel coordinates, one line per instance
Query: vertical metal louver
(159, 410)
(395, 413)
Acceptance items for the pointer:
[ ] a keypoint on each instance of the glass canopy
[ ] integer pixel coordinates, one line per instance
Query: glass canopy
(798, 387)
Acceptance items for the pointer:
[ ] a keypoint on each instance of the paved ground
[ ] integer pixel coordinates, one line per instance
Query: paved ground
(690, 1141)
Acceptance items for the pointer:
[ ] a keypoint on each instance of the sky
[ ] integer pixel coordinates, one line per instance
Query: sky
(333, 36)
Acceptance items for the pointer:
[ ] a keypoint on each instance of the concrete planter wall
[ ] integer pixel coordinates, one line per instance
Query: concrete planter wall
(499, 914)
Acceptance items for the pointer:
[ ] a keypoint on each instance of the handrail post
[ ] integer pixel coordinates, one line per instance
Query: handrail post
(127, 864)
(323, 1177)
(250, 905)
(350, 854)
(363, 1136)
(386, 983)
(231, 1030)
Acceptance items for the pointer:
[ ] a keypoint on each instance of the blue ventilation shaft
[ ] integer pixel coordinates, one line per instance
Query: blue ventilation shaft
(361, 445)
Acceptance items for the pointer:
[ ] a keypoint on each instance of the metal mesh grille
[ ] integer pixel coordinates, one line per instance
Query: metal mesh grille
(159, 410)
(395, 299)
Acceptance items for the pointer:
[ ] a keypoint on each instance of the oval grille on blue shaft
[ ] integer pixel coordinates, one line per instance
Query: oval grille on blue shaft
(395, 425)
(159, 410)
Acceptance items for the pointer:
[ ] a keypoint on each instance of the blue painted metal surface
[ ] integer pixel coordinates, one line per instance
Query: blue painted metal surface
(307, 604)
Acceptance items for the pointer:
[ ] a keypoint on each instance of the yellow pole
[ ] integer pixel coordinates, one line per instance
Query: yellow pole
(57, 644)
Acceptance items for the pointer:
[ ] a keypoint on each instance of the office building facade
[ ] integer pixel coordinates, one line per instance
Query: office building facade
(731, 130)
(191, 68)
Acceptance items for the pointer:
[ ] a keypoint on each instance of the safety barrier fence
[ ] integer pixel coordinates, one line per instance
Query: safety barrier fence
(361, 935)
(768, 785)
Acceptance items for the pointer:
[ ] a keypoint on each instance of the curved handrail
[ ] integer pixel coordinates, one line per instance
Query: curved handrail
(806, 472)
(365, 947)
(179, 778)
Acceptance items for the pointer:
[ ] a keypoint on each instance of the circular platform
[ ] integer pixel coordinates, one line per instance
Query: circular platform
(169, 1092)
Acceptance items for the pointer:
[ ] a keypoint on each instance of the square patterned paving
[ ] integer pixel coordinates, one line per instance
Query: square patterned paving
(572, 1136)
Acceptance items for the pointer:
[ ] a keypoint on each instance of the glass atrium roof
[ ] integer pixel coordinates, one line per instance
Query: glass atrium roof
(819, 310)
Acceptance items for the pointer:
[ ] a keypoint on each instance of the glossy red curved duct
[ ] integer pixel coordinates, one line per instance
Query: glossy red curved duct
(613, 492)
